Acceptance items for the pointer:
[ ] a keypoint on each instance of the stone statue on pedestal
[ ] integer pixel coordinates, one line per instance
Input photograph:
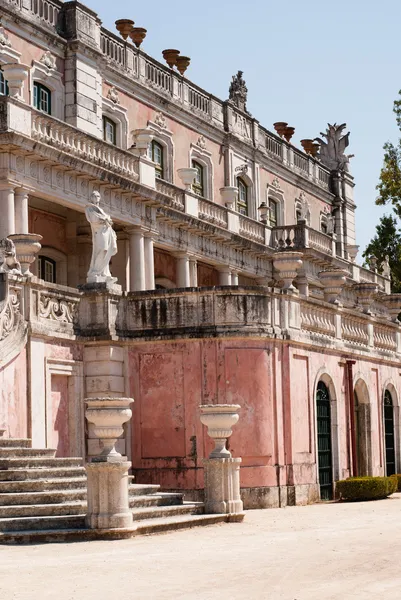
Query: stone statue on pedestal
(104, 241)
(238, 91)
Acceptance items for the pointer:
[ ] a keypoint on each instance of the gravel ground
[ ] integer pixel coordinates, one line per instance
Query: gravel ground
(324, 551)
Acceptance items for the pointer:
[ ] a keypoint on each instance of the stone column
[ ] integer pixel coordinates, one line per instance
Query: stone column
(225, 276)
(183, 278)
(7, 211)
(149, 263)
(137, 260)
(21, 210)
(107, 473)
(221, 471)
(193, 271)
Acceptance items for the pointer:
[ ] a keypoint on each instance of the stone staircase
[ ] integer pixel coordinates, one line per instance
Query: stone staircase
(43, 499)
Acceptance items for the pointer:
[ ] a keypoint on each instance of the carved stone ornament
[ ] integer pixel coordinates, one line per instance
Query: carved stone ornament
(238, 92)
(104, 242)
(201, 143)
(332, 150)
(48, 60)
(385, 266)
(57, 309)
(160, 120)
(9, 315)
(4, 41)
(8, 258)
(112, 95)
(276, 183)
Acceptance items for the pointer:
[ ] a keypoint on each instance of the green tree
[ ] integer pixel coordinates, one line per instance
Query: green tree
(387, 242)
(389, 185)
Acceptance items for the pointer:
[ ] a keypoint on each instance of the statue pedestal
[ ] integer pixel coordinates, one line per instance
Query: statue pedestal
(98, 309)
(108, 503)
(222, 486)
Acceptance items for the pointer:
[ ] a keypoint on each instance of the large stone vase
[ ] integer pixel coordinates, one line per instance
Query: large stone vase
(219, 420)
(333, 281)
(108, 416)
(27, 246)
(287, 264)
(393, 304)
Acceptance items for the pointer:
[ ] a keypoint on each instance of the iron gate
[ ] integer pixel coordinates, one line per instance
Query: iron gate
(324, 441)
(389, 433)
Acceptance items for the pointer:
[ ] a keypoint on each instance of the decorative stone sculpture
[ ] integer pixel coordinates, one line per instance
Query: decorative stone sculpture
(238, 92)
(287, 264)
(305, 208)
(222, 472)
(331, 225)
(112, 95)
(229, 196)
(104, 242)
(107, 474)
(15, 74)
(48, 60)
(8, 258)
(385, 267)
(27, 246)
(333, 281)
(332, 150)
(142, 138)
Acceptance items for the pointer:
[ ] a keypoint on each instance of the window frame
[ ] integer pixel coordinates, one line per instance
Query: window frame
(3, 82)
(159, 167)
(42, 261)
(39, 88)
(273, 202)
(242, 205)
(199, 188)
(107, 121)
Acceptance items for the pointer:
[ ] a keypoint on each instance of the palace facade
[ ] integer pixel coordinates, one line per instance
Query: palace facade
(237, 279)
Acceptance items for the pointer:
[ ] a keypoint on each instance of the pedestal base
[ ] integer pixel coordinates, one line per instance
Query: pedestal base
(222, 486)
(108, 505)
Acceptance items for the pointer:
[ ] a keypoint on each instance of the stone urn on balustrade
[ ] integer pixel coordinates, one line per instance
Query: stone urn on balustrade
(366, 293)
(27, 246)
(333, 281)
(229, 195)
(393, 304)
(287, 264)
(219, 420)
(187, 176)
(108, 416)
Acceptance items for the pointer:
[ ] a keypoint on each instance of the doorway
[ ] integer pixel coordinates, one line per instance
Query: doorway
(389, 436)
(324, 443)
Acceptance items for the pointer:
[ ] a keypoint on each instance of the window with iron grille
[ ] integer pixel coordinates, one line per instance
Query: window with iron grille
(242, 202)
(42, 98)
(198, 187)
(47, 269)
(109, 131)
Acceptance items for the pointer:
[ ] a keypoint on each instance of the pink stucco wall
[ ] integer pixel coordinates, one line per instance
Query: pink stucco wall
(13, 398)
(275, 385)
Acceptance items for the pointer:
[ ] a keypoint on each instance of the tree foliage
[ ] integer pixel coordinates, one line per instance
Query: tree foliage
(387, 242)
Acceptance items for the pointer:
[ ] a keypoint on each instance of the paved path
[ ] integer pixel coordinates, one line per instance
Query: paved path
(320, 552)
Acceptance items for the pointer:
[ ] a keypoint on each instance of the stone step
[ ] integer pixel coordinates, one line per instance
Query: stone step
(155, 512)
(40, 523)
(139, 489)
(39, 485)
(159, 499)
(26, 452)
(43, 510)
(51, 473)
(34, 463)
(144, 527)
(173, 523)
(53, 497)
(15, 443)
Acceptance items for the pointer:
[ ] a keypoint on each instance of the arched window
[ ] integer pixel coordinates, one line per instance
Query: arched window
(273, 212)
(242, 202)
(47, 269)
(157, 155)
(198, 186)
(109, 131)
(42, 98)
(3, 85)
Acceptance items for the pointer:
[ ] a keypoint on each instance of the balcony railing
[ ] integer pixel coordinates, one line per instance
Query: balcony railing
(213, 213)
(300, 236)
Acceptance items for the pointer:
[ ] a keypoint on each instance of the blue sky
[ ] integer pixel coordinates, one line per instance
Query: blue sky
(307, 63)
